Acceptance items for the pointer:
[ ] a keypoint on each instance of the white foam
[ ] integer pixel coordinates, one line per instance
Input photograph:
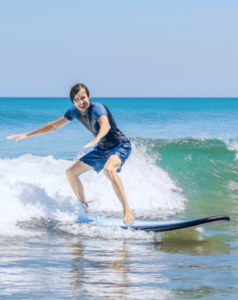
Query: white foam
(107, 232)
(232, 145)
(37, 187)
(12, 210)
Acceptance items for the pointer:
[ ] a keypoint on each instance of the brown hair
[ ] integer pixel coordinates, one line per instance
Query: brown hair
(76, 88)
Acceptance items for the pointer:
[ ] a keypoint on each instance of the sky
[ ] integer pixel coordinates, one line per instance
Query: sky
(119, 48)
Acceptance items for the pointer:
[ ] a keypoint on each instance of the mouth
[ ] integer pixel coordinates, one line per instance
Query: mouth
(82, 107)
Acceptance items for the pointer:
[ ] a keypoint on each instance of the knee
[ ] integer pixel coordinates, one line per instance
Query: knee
(109, 173)
(69, 174)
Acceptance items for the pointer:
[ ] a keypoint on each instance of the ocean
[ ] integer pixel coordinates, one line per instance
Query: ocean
(184, 165)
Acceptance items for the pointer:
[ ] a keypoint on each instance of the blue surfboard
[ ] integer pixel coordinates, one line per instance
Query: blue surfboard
(159, 226)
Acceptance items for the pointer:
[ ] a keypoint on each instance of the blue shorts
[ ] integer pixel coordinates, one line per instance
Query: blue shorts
(99, 156)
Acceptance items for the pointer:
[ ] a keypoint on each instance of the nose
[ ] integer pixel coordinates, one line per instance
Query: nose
(79, 101)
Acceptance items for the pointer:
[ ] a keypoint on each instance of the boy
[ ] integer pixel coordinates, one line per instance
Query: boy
(112, 146)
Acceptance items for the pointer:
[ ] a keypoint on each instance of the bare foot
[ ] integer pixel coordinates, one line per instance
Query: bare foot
(128, 217)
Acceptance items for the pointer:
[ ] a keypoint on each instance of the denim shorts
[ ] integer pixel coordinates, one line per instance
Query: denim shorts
(99, 156)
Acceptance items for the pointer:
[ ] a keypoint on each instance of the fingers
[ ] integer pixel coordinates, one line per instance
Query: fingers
(17, 136)
(88, 145)
(12, 136)
(91, 144)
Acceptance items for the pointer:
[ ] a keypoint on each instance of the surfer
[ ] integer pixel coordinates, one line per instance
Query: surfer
(112, 147)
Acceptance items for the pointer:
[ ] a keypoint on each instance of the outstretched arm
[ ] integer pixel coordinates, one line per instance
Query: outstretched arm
(52, 126)
(104, 128)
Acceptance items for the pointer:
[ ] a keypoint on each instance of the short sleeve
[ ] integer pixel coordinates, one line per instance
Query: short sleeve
(71, 113)
(98, 110)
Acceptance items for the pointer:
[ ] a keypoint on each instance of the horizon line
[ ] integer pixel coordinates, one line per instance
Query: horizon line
(187, 97)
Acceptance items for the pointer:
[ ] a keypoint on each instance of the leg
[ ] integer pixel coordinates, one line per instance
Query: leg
(110, 170)
(73, 177)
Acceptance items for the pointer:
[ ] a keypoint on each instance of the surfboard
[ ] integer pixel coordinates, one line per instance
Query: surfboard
(161, 226)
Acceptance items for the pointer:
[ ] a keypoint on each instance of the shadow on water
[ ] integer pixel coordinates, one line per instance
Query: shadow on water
(191, 241)
(204, 247)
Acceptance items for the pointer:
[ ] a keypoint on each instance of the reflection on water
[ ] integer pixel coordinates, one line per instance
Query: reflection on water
(101, 271)
(95, 268)
(115, 270)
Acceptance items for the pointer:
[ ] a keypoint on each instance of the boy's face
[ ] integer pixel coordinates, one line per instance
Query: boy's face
(82, 101)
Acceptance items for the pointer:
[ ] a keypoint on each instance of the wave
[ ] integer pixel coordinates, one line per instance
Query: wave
(202, 145)
(33, 187)
(205, 169)
(162, 177)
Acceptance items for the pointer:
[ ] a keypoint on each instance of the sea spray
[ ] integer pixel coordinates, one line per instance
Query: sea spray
(38, 188)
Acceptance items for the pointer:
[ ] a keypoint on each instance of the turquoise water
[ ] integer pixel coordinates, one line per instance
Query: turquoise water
(184, 165)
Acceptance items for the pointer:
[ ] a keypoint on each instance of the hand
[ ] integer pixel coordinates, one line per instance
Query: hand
(18, 137)
(93, 143)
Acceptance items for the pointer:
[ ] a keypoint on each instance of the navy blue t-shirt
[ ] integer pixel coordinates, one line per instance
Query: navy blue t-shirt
(90, 121)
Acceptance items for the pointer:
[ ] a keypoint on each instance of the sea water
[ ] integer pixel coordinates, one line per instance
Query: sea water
(184, 165)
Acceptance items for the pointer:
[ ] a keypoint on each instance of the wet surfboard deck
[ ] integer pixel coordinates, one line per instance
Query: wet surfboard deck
(160, 226)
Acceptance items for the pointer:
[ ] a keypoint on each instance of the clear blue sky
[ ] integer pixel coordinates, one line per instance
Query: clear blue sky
(119, 48)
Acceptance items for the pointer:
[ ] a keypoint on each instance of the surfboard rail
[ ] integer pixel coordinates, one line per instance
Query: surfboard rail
(174, 225)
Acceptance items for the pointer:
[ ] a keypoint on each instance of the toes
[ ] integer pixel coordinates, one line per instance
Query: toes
(129, 220)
